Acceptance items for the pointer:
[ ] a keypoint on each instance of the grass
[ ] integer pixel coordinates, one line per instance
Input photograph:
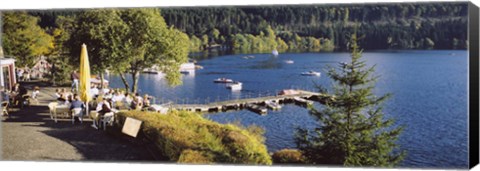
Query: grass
(187, 137)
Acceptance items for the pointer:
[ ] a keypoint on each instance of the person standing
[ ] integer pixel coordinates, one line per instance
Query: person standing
(20, 74)
(74, 76)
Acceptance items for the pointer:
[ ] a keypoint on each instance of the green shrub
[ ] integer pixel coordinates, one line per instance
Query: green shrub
(288, 156)
(195, 157)
(189, 138)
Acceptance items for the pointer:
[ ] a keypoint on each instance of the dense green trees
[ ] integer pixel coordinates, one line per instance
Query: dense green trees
(23, 39)
(122, 41)
(409, 25)
(104, 33)
(129, 41)
(352, 129)
(386, 26)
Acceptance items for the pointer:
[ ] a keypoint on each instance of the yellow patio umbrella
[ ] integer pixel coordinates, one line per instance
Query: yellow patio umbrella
(84, 76)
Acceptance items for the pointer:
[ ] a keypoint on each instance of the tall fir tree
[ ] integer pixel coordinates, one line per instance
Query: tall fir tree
(352, 131)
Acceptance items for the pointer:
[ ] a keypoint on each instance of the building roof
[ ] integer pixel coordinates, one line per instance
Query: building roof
(6, 61)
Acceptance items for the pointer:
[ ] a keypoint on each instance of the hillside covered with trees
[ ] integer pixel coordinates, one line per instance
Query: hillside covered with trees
(309, 27)
(304, 27)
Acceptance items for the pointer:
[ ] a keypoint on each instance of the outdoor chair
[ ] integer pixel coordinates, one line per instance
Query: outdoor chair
(108, 118)
(77, 112)
(5, 108)
(51, 107)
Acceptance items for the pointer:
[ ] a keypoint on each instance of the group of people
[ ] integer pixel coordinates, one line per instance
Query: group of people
(18, 95)
(24, 74)
(119, 99)
(105, 101)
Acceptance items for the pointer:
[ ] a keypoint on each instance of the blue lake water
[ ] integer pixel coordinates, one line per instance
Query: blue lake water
(429, 96)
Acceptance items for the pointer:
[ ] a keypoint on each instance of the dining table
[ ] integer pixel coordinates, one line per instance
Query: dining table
(62, 109)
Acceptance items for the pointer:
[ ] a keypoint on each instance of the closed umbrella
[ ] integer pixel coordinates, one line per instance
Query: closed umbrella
(85, 77)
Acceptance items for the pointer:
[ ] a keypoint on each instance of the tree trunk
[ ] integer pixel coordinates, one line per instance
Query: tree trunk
(101, 82)
(125, 82)
(135, 81)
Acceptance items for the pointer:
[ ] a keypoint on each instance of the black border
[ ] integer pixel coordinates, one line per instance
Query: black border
(473, 85)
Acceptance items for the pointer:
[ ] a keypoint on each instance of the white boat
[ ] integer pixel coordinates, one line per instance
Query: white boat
(248, 57)
(273, 105)
(311, 73)
(274, 52)
(289, 61)
(223, 80)
(236, 86)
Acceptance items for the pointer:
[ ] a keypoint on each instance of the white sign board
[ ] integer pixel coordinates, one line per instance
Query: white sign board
(131, 127)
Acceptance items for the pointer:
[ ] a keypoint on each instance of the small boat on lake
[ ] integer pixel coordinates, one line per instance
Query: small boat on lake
(235, 86)
(256, 108)
(223, 80)
(274, 52)
(188, 72)
(248, 57)
(311, 73)
(289, 61)
(273, 105)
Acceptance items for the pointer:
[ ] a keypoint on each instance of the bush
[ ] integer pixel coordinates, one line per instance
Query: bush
(194, 157)
(189, 138)
(288, 156)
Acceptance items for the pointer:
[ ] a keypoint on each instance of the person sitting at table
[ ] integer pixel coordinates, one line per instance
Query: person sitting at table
(77, 103)
(57, 93)
(103, 107)
(108, 95)
(67, 94)
(70, 99)
(146, 100)
(18, 92)
(62, 97)
(4, 95)
(94, 91)
(128, 99)
(137, 102)
(117, 98)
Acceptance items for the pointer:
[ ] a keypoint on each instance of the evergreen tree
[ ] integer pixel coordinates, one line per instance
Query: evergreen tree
(353, 131)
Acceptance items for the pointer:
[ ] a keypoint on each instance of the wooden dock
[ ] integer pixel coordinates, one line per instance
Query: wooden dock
(242, 103)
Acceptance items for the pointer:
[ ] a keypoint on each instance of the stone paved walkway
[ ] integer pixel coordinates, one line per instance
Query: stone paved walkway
(30, 134)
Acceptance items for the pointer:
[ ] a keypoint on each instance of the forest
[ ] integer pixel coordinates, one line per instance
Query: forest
(313, 27)
(383, 26)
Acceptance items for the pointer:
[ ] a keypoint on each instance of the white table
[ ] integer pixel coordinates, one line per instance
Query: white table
(61, 109)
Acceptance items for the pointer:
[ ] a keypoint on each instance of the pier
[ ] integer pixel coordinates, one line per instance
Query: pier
(237, 104)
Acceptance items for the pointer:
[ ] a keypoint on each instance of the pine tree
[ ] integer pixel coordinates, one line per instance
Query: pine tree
(352, 129)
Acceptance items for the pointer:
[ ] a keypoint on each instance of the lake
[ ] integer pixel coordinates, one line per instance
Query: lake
(429, 96)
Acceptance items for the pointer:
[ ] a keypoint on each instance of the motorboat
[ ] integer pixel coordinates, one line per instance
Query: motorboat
(289, 61)
(273, 105)
(223, 80)
(311, 73)
(235, 86)
(256, 108)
